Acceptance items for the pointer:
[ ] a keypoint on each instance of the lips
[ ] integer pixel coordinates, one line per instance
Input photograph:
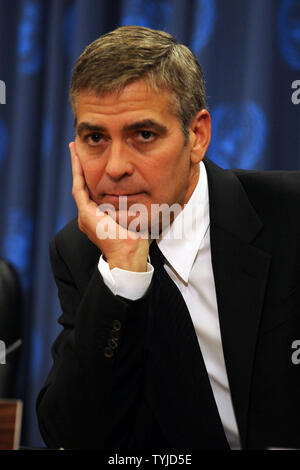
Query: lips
(117, 195)
(118, 198)
(122, 195)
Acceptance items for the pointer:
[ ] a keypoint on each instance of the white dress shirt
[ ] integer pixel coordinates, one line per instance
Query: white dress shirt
(188, 263)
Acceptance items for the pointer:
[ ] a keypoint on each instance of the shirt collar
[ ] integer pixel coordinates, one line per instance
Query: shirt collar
(181, 241)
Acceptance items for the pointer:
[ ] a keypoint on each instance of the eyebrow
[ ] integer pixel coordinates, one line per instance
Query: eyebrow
(145, 123)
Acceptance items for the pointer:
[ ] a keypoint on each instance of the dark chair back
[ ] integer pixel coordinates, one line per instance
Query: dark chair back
(10, 326)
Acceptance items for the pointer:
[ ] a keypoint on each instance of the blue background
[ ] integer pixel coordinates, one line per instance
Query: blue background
(250, 54)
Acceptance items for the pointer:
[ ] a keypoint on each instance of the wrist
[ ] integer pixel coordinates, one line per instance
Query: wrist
(130, 257)
(136, 264)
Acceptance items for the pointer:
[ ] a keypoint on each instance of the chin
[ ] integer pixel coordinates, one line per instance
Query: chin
(137, 223)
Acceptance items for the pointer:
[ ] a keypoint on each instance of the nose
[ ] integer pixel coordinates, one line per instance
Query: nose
(118, 162)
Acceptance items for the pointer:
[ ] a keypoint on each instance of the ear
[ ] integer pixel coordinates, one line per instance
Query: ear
(200, 134)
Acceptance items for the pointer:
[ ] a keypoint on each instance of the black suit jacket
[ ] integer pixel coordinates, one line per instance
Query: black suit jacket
(130, 374)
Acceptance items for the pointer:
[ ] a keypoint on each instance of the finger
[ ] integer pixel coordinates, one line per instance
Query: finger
(79, 190)
(78, 176)
(76, 165)
(72, 154)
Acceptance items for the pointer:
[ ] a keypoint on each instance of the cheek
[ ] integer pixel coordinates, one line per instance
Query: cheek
(170, 168)
(174, 177)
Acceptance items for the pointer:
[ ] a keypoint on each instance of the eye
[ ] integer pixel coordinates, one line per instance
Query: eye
(93, 139)
(146, 136)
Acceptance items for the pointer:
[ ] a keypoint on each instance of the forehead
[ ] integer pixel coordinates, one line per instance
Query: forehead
(136, 100)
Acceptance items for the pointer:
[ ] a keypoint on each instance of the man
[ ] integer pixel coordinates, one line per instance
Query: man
(190, 348)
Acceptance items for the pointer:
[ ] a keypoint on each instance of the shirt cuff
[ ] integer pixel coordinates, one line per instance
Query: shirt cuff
(128, 284)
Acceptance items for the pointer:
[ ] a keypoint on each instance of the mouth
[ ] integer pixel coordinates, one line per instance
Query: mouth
(117, 197)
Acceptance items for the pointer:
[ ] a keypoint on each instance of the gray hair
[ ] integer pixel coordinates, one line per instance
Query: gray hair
(131, 53)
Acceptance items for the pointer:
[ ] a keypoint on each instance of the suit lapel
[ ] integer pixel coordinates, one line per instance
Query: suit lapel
(240, 272)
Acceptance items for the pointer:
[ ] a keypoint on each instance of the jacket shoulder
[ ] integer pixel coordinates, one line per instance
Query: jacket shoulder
(274, 181)
(74, 248)
(275, 196)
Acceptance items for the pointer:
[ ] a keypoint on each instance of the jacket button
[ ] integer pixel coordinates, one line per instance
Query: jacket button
(112, 343)
(115, 335)
(108, 352)
(117, 325)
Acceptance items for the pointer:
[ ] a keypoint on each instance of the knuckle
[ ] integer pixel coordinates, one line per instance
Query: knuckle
(81, 224)
(74, 191)
(82, 221)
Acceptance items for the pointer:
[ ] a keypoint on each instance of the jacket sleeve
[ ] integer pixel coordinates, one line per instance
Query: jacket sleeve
(92, 393)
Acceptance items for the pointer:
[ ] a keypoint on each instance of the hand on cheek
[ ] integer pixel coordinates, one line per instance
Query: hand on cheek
(126, 250)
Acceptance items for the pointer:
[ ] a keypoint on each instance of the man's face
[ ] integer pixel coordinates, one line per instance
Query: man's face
(132, 145)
